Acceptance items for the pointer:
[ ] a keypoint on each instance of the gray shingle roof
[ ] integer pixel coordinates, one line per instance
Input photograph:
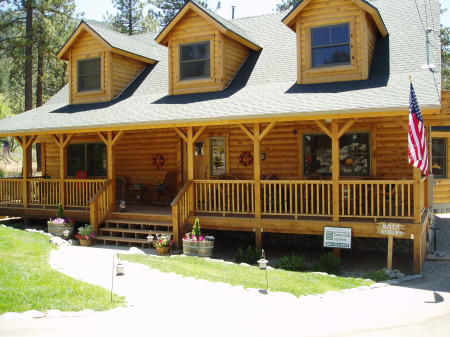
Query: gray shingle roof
(266, 84)
(131, 44)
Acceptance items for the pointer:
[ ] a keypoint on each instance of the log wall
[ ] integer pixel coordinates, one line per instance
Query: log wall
(124, 70)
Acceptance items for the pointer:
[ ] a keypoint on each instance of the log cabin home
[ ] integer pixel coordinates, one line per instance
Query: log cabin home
(281, 123)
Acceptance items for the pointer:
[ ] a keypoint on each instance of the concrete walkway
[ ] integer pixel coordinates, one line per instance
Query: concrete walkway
(169, 304)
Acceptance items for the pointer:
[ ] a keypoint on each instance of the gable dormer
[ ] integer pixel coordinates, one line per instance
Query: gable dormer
(102, 63)
(205, 51)
(335, 39)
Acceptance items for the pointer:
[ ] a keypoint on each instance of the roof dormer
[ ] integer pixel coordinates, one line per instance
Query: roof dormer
(335, 40)
(205, 51)
(102, 63)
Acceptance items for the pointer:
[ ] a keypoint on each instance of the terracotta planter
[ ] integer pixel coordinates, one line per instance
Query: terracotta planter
(86, 243)
(195, 248)
(58, 230)
(163, 250)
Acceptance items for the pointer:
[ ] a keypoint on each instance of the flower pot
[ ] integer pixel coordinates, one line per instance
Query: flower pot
(58, 230)
(198, 248)
(163, 250)
(86, 243)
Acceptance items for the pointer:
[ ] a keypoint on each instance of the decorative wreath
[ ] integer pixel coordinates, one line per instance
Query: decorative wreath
(246, 159)
(158, 160)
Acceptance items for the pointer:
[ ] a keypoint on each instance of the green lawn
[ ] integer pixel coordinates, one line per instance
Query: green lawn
(297, 283)
(27, 281)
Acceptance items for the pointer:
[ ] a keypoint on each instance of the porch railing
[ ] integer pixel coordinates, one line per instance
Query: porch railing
(100, 204)
(11, 191)
(77, 192)
(377, 199)
(294, 197)
(225, 196)
(182, 207)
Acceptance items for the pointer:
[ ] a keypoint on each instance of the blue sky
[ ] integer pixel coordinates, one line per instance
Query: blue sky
(95, 9)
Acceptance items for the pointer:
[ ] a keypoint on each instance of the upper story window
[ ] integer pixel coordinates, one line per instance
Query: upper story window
(89, 74)
(195, 60)
(354, 154)
(330, 45)
(439, 157)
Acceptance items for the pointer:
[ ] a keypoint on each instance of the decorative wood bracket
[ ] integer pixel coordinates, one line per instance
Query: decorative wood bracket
(261, 135)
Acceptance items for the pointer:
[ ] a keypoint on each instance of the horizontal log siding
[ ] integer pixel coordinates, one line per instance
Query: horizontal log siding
(325, 12)
(234, 55)
(124, 70)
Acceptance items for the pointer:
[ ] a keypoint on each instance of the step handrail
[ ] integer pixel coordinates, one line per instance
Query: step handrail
(181, 210)
(100, 205)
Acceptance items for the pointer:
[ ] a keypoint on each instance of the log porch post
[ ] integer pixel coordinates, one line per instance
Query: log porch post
(25, 142)
(62, 141)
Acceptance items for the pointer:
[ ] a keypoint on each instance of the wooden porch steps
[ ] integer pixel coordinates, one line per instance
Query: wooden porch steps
(133, 230)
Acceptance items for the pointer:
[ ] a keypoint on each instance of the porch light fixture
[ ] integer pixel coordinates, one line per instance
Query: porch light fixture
(328, 120)
(198, 149)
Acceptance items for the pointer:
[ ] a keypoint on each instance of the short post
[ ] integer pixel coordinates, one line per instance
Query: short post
(390, 252)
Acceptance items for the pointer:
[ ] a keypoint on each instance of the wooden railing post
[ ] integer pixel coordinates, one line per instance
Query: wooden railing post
(176, 226)
(417, 175)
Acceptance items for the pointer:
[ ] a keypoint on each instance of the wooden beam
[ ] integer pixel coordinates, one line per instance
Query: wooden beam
(323, 128)
(190, 153)
(117, 137)
(19, 140)
(102, 137)
(29, 141)
(257, 169)
(267, 130)
(345, 128)
(247, 131)
(258, 238)
(181, 134)
(69, 137)
(57, 140)
(335, 168)
(402, 124)
(198, 133)
(390, 252)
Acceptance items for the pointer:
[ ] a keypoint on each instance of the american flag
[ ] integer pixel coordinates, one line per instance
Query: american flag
(417, 138)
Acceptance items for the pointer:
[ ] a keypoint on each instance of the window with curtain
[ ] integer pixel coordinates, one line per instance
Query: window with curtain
(89, 74)
(439, 157)
(87, 157)
(195, 60)
(330, 45)
(354, 154)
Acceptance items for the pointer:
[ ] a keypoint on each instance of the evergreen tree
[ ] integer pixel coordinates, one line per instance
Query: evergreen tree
(445, 55)
(130, 18)
(167, 9)
(286, 4)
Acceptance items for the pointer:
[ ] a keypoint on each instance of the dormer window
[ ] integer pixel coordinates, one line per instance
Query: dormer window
(89, 74)
(195, 61)
(330, 45)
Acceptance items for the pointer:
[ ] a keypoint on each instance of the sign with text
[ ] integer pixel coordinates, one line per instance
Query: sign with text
(391, 229)
(337, 237)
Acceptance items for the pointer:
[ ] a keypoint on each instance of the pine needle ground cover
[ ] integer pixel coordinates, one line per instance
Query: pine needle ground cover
(297, 283)
(28, 282)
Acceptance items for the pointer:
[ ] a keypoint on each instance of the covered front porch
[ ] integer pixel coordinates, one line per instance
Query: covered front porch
(282, 176)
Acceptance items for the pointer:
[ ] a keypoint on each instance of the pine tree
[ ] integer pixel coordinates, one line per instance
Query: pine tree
(286, 4)
(167, 9)
(130, 18)
(445, 54)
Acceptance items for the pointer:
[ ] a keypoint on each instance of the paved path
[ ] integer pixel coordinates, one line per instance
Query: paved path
(169, 304)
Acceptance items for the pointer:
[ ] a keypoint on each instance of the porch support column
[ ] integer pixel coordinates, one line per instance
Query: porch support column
(110, 141)
(257, 136)
(62, 141)
(335, 168)
(25, 142)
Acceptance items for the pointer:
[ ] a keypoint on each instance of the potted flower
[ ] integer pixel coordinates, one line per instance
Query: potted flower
(85, 235)
(195, 244)
(60, 225)
(163, 243)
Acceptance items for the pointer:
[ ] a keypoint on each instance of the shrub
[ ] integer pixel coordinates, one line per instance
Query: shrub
(2, 173)
(377, 275)
(60, 212)
(329, 263)
(250, 255)
(292, 262)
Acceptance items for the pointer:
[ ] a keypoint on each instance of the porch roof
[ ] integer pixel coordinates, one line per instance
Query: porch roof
(265, 87)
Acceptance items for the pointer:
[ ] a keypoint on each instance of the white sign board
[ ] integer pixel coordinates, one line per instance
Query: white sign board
(337, 237)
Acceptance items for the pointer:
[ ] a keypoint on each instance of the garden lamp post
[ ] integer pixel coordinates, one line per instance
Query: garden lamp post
(263, 265)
